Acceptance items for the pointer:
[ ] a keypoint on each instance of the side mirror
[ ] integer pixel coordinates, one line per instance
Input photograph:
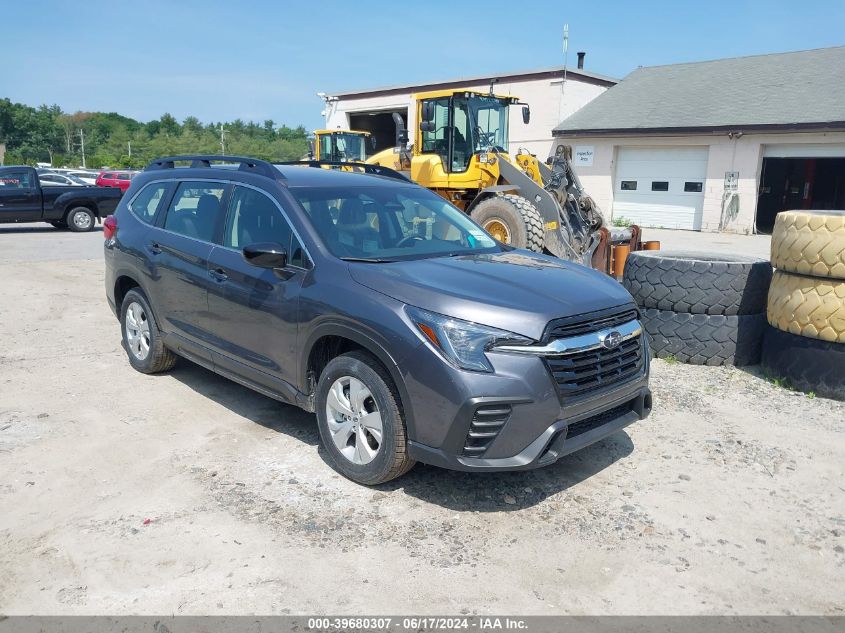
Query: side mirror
(526, 114)
(311, 152)
(266, 255)
(427, 126)
(373, 142)
(427, 111)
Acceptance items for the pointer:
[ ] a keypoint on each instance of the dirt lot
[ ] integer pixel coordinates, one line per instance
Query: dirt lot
(730, 498)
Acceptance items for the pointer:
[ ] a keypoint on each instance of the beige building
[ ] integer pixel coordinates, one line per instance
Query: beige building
(551, 100)
(721, 144)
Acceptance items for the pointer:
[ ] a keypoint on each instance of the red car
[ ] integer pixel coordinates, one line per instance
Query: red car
(119, 179)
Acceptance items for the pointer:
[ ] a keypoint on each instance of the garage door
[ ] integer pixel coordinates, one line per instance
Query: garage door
(660, 186)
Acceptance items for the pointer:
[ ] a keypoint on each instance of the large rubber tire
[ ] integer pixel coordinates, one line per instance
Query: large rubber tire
(703, 339)
(518, 214)
(392, 459)
(159, 357)
(810, 243)
(808, 306)
(698, 283)
(81, 220)
(806, 364)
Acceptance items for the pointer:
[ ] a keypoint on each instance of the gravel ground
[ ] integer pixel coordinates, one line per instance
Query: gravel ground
(185, 493)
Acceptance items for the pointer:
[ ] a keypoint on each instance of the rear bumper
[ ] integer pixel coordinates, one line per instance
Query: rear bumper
(560, 438)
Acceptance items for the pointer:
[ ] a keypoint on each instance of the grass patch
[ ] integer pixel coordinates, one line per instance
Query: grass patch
(622, 221)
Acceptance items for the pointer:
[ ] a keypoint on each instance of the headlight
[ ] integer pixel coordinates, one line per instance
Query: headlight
(462, 343)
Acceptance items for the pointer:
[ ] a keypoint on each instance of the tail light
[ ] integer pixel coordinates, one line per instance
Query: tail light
(109, 227)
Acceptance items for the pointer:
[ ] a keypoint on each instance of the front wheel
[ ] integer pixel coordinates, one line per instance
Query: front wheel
(511, 219)
(361, 424)
(80, 220)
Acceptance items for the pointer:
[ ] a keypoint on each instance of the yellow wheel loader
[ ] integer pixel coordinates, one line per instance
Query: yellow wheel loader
(460, 151)
(340, 146)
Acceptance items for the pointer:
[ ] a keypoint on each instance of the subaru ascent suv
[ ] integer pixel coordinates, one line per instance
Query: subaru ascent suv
(376, 304)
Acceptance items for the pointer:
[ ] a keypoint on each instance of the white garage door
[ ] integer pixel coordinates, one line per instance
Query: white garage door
(660, 186)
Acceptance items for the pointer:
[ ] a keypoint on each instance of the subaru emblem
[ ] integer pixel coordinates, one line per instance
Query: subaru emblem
(611, 339)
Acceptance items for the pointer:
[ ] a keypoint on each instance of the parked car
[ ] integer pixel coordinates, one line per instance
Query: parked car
(88, 177)
(119, 179)
(378, 305)
(24, 199)
(53, 179)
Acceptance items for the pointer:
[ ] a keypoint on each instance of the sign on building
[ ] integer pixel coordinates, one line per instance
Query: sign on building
(584, 155)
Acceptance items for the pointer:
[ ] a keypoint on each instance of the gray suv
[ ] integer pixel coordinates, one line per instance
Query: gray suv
(376, 304)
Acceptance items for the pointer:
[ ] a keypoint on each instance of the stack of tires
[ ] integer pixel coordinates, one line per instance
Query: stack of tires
(805, 343)
(701, 308)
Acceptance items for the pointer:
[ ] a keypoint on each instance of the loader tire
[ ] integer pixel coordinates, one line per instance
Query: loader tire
(704, 339)
(810, 243)
(516, 215)
(806, 364)
(698, 283)
(813, 307)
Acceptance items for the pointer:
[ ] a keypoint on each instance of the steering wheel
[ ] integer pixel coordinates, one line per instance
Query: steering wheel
(405, 241)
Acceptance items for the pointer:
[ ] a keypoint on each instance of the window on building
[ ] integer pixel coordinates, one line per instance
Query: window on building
(660, 185)
(693, 187)
(629, 185)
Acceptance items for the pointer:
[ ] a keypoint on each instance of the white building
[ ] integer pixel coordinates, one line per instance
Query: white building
(719, 144)
(551, 100)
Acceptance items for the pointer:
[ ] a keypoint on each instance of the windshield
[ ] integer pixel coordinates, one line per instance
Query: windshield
(390, 223)
(348, 147)
(490, 123)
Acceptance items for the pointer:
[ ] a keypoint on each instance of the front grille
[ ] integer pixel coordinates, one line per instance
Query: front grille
(585, 323)
(598, 420)
(486, 423)
(596, 370)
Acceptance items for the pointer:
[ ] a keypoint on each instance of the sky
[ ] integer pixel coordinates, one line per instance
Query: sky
(264, 59)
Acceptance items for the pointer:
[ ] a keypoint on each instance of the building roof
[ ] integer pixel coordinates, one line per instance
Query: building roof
(575, 74)
(777, 92)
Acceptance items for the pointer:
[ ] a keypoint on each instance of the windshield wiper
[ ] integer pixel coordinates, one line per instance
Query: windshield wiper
(368, 260)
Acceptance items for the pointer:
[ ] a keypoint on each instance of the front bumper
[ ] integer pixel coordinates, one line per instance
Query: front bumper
(532, 424)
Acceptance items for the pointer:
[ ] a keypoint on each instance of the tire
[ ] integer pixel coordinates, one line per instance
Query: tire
(703, 339)
(391, 459)
(80, 220)
(806, 364)
(698, 283)
(517, 215)
(810, 243)
(808, 306)
(158, 358)
(59, 224)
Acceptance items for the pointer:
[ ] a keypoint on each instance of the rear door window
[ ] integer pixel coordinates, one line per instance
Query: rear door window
(195, 209)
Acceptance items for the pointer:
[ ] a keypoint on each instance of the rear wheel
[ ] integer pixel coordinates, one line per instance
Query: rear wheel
(361, 424)
(511, 220)
(80, 220)
(142, 339)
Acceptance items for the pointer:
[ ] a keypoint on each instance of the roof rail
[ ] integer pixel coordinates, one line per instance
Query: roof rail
(203, 161)
(375, 170)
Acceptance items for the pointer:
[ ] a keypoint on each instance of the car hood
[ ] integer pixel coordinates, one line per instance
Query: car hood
(518, 291)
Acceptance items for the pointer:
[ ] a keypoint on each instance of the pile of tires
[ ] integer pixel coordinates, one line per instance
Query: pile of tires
(701, 308)
(805, 342)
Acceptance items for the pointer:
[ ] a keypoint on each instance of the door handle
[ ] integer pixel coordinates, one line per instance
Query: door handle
(218, 274)
(154, 248)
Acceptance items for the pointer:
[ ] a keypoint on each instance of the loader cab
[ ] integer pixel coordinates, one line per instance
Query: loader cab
(456, 125)
(344, 146)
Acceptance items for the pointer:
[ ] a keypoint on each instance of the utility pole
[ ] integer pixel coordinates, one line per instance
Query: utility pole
(82, 144)
(222, 141)
(129, 143)
(563, 82)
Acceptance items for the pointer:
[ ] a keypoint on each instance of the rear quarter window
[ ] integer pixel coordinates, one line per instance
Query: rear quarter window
(146, 204)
